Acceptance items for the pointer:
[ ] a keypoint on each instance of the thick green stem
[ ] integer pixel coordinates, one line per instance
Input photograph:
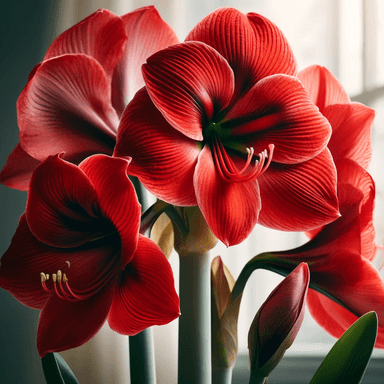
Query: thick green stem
(142, 357)
(222, 375)
(141, 346)
(257, 380)
(195, 320)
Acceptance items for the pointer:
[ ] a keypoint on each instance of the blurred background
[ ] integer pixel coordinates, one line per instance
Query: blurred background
(347, 37)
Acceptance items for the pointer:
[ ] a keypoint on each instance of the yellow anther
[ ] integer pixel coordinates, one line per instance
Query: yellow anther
(42, 275)
(54, 277)
(47, 276)
(68, 263)
(65, 278)
(59, 276)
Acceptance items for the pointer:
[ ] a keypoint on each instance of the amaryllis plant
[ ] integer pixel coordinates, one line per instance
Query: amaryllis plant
(226, 133)
(75, 96)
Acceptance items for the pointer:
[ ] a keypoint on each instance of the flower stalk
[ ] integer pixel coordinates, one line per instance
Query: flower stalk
(142, 357)
(222, 375)
(195, 320)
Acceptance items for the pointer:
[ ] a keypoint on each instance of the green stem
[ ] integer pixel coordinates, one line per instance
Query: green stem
(141, 346)
(195, 320)
(140, 192)
(222, 375)
(150, 215)
(142, 357)
(257, 380)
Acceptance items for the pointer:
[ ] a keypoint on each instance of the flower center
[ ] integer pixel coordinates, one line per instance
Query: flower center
(228, 170)
(59, 284)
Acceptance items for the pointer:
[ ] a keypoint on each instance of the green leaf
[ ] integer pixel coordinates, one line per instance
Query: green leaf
(56, 370)
(347, 361)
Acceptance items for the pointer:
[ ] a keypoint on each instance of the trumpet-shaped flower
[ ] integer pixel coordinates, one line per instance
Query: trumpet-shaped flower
(223, 123)
(351, 121)
(78, 257)
(339, 257)
(74, 98)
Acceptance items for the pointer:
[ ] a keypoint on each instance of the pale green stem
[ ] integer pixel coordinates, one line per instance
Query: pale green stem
(142, 357)
(195, 319)
(141, 346)
(222, 375)
(257, 380)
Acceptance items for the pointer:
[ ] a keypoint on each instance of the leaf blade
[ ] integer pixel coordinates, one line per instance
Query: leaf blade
(348, 359)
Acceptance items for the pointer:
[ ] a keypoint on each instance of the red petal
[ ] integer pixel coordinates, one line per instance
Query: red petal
(61, 207)
(162, 157)
(188, 83)
(27, 257)
(147, 295)
(355, 187)
(350, 174)
(18, 170)
(351, 132)
(299, 197)
(230, 209)
(274, 53)
(21, 265)
(66, 107)
(101, 35)
(64, 325)
(323, 88)
(277, 111)
(253, 46)
(117, 199)
(147, 33)
(359, 287)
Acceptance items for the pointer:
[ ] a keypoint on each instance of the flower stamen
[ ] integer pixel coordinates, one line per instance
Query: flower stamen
(227, 169)
(62, 289)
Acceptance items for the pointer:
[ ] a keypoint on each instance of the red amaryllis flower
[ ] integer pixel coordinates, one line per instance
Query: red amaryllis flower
(78, 257)
(74, 98)
(224, 124)
(351, 121)
(339, 258)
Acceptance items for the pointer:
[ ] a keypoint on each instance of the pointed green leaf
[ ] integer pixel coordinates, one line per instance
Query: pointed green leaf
(56, 370)
(347, 361)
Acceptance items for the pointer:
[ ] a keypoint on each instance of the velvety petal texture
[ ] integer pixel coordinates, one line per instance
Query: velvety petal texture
(351, 132)
(101, 35)
(323, 88)
(145, 295)
(351, 122)
(147, 33)
(299, 196)
(64, 325)
(117, 199)
(162, 157)
(18, 169)
(60, 210)
(188, 83)
(335, 319)
(253, 46)
(230, 209)
(66, 107)
(74, 247)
